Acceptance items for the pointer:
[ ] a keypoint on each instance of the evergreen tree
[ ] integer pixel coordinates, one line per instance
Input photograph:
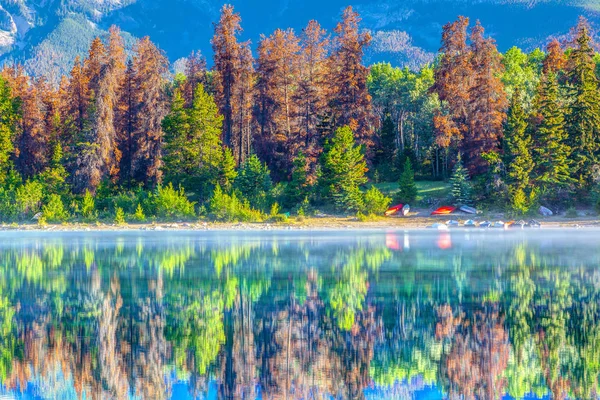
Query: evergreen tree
(349, 98)
(408, 188)
(297, 189)
(460, 185)
(487, 105)
(8, 118)
(583, 115)
(254, 182)
(178, 161)
(518, 142)
(227, 171)
(551, 151)
(343, 169)
(193, 152)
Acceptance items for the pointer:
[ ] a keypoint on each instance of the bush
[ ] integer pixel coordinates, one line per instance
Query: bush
(276, 215)
(571, 213)
(119, 216)
(229, 208)
(521, 204)
(88, 207)
(28, 199)
(171, 204)
(54, 210)
(376, 203)
(139, 215)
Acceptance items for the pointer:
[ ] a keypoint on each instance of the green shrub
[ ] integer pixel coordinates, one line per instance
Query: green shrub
(8, 209)
(571, 213)
(139, 215)
(172, 204)
(28, 199)
(521, 204)
(88, 207)
(376, 203)
(54, 210)
(229, 208)
(119, 216)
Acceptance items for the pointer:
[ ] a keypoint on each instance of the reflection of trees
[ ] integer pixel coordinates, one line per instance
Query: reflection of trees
(478, 356)
(113, 319)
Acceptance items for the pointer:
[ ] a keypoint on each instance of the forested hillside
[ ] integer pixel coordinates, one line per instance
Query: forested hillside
(299, 125)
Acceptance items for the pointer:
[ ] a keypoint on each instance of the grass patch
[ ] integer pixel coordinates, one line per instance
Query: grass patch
(428, 190)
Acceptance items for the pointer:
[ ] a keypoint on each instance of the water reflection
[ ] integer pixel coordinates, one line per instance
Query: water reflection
(300, 316)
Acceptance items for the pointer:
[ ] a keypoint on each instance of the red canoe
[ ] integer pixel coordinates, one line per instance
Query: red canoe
(444, 210)
(394, 210)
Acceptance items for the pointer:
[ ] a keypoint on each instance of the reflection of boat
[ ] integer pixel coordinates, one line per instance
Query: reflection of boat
(533, 224)
(468, 210)
(499, 224)
(439, 227)
(394, 210)
(392, 241)
(485, 224)
(470, 224)
(444, 241)
(444, 210)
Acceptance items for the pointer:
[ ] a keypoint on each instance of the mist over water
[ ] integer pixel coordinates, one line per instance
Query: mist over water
(300, 315)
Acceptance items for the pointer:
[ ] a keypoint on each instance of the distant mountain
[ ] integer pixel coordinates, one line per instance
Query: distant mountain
(46, 35)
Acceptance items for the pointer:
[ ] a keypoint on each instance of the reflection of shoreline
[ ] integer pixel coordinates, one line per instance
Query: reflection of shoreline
(316, 224)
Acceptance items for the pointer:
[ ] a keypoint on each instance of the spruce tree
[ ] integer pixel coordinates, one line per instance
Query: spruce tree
(518, 142)
(551, 151)
(408, 189)
(254, 182)
(177, 158)
(460, 185)
(583, 115)
(8, 117)
(343, 170)
(297, 189)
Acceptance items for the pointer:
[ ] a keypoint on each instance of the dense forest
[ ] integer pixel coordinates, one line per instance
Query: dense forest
(300, 126)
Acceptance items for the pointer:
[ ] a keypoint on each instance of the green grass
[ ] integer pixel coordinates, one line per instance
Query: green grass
(436, 190)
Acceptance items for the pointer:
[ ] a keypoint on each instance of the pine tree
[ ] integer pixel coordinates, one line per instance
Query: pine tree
(408, 188)
(518, 158)
(150, 66)
(297, 189)
(311, 93)
(277, 139)
(233, 79)
(551, 151)
(195, 74)
(227, 171)
(32, 141)
(453, 82)
(487, 102)
(254, 182)
(555, 60)
(8, 119)
(583, 115)
(460, 186)
(178, 160)
(349, 98)
(343, 169)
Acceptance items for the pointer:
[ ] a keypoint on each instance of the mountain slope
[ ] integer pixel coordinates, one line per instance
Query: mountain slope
(46, 35)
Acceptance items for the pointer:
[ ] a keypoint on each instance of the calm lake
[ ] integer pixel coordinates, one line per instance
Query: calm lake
(300, 315)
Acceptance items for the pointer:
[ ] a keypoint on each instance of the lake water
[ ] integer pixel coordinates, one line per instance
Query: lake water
(300, 315)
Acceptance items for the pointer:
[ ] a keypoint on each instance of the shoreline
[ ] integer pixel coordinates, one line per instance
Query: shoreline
(306, 224)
